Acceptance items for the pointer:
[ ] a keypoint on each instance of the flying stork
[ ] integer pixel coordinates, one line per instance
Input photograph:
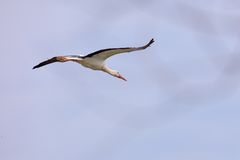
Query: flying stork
(96, 60)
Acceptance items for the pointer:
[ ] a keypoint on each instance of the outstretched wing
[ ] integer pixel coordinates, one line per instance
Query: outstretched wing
(58, 59)
(106, 53)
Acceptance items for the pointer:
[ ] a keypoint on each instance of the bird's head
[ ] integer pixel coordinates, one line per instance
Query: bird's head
(118, 75)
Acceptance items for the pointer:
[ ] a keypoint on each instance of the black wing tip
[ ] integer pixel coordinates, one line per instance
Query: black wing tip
(35, 67)
(151, 41)
(39, 65)
(52, 60)
(148, 45)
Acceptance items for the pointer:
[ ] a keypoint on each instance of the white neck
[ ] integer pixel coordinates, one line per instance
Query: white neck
(109, 70)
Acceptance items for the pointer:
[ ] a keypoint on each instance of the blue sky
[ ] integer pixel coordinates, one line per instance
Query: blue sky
(181, 100)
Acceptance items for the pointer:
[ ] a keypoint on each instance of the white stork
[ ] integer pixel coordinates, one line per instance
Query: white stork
(96, 60)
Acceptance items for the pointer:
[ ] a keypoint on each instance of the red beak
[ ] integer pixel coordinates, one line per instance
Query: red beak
(121, 77)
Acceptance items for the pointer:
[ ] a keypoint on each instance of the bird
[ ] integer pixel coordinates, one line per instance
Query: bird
(96, 60)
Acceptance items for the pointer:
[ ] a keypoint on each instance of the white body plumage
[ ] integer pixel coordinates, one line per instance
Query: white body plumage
(96, 60)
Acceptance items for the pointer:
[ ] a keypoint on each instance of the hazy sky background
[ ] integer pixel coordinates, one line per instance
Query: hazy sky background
(181, 100)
